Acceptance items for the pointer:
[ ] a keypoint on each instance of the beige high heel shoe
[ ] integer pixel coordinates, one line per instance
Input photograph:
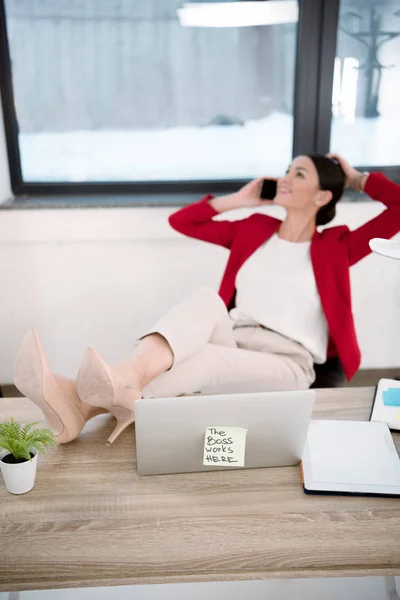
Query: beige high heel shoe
(98, 386)
(56, 396)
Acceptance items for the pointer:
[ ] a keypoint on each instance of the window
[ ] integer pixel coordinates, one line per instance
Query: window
(168, 97)
(366, 83)
(122, 91)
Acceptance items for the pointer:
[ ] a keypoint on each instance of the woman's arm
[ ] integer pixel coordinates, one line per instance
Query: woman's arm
(197, 220)
(385, 225)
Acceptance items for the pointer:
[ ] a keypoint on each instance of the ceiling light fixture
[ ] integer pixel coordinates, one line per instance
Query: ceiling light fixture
(238, 14)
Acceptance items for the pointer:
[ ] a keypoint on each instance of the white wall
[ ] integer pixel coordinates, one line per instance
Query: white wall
(335, 588)
(5, 186)
(102, 276)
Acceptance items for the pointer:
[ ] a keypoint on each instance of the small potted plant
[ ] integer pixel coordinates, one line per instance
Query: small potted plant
(21, 445)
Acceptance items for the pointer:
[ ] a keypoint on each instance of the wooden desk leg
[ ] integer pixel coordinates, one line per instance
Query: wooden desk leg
(391, 588)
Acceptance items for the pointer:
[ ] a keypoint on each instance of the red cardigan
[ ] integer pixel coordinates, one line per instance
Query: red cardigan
(333, 252)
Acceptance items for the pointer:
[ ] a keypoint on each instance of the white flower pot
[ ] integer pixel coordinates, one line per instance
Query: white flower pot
(20, 477)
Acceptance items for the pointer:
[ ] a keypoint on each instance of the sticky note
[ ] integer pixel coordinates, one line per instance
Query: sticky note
(391, 397)
(224, 446)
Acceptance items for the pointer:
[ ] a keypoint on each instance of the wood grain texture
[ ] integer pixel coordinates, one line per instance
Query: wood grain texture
(91, 520)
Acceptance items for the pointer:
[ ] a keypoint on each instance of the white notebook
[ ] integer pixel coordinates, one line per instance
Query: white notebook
(386, 406)
(350, 457)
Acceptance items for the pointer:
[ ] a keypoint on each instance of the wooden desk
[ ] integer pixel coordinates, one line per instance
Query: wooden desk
(92, 521)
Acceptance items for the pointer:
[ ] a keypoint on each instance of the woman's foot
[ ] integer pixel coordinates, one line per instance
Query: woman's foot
(112, 388)
(56, 396)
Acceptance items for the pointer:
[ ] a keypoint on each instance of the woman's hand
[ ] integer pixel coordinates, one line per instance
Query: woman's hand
(250, 194)
(354, 179)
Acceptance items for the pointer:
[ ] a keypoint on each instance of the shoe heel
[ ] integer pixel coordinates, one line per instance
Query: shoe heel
(124, 418)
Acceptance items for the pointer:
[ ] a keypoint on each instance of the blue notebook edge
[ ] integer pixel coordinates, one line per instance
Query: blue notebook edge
(392, 429)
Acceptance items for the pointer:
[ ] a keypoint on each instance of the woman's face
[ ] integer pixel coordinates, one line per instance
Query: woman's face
(299, 188)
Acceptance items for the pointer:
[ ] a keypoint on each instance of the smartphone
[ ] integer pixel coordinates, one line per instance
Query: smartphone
(268, 189)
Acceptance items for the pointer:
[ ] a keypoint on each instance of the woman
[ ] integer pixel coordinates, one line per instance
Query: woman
(287, 288)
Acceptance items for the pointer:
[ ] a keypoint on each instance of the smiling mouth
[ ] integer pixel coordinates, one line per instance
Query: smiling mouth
(284, 191)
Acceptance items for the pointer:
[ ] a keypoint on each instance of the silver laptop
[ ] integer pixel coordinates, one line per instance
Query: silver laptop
(171, 432)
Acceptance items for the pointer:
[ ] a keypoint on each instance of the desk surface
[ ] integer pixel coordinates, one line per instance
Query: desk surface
(91, 520)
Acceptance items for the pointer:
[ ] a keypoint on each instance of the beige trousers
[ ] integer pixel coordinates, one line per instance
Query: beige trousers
(213, 357)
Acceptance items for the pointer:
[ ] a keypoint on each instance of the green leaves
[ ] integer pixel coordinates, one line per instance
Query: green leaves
(20, 440)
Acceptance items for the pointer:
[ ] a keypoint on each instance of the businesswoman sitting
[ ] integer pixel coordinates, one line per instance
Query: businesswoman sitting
(284, 304)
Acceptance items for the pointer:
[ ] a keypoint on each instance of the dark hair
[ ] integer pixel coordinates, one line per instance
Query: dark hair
(331, 177)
